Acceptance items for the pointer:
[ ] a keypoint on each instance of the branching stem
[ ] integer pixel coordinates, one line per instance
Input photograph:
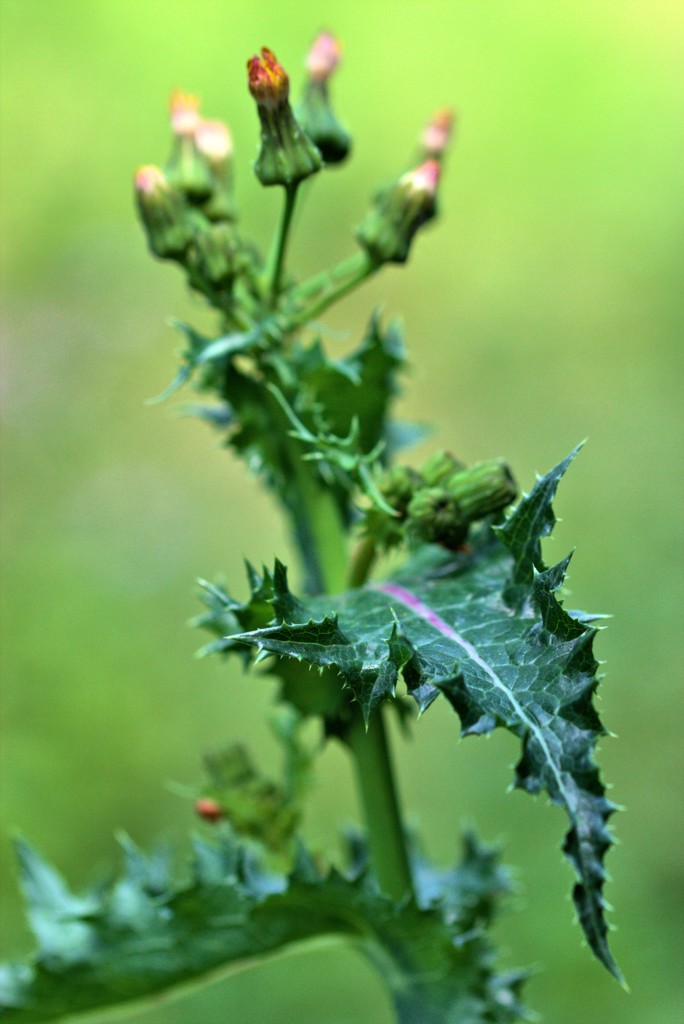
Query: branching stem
(358, 269)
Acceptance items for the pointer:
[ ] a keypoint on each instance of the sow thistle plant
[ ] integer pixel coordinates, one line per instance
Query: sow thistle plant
(469, 613)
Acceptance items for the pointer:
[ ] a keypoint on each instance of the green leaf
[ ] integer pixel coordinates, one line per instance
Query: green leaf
(143, 933)
(485, 628)
(332, 394)
(201, 351)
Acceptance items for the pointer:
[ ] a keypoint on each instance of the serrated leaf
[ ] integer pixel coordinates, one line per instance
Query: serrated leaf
(487, 630)
(523, 531)
(331, 394)
(232, 911)
(201, 351)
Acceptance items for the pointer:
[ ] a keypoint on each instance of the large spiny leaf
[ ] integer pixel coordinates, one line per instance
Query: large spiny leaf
(486, 629)
(143, 933)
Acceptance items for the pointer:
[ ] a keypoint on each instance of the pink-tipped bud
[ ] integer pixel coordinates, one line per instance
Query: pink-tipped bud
(214, 142)
(163, 213)
(184, 108)
(399, 211)
(148, 179)
(437, 133)
(209, 809)
(323, 57)
(267, 80)
(424, 179)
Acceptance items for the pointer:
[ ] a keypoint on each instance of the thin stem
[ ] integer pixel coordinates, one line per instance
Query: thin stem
(278, 257)
(326, 278)
(380, 804)
(362, 268)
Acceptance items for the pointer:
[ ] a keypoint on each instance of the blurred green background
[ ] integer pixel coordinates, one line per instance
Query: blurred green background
(545, 306)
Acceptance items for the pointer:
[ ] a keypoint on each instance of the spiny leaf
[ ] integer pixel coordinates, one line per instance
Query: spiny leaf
(332, 393)
(201, 351)
(486, 629)
(523, 531)
(137, 940)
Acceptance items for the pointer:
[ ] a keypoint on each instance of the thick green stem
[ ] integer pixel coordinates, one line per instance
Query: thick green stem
(362, 562)
(318, 530)
(325, 558)
(280, 247)
(380, 805)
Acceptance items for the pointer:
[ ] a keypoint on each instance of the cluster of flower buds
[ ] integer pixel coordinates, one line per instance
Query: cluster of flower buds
(287, 154)
(314, 112)
(437, 503)
(188, 208)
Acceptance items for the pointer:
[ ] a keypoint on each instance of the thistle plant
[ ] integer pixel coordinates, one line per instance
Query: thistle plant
(410, 583)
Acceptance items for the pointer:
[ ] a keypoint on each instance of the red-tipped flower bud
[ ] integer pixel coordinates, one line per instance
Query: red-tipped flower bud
(267, 79)
(388, 229)
(287, 154)
(163, 213)
(437, 133)
(209, 809)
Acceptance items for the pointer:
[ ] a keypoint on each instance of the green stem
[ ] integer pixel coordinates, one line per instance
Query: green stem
(278, 257)
(380, 804)
(362, 562)
(326, 278)
(323, 546)
(362, 266)
(318, 530)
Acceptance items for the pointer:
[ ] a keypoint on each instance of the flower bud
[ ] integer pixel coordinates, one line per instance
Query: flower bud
(215, 145)
(323, 57)
(163, 212)
(387, 231)
(187, 170)
(397, 486)
(441, 514)
(435, 517)
(215, 256)
(483, 489)
(314, 112)
(209, 809)
(287, 155)
(437, 134)
(439, 467)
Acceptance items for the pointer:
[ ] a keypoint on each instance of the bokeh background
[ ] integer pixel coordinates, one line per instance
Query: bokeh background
(545, 306)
